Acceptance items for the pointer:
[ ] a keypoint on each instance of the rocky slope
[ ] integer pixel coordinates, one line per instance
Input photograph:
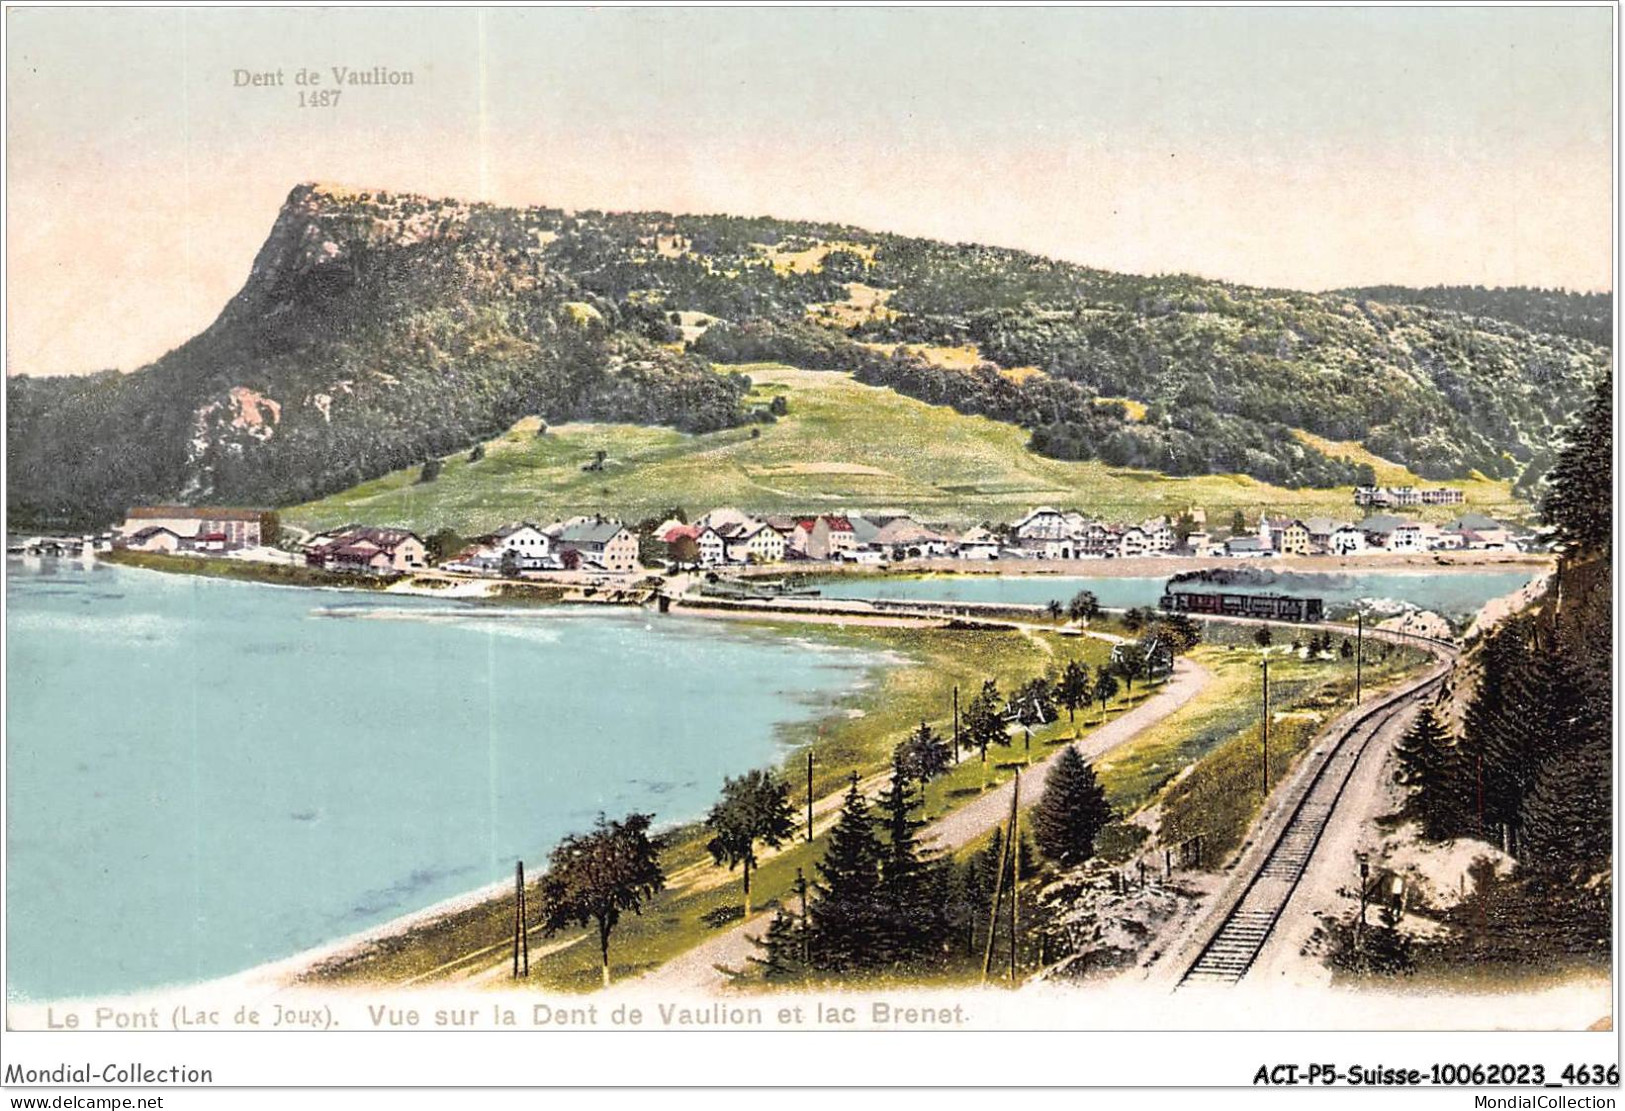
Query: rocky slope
(374, 331)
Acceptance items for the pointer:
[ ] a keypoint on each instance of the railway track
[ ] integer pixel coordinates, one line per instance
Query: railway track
(1241, 935)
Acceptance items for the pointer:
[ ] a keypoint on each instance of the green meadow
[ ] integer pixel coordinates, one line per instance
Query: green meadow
(842, 445)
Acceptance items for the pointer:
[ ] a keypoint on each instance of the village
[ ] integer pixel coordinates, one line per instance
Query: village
(727, 538)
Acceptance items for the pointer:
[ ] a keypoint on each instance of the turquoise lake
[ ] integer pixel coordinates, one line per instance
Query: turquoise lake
(205, 775)
(1456, 594)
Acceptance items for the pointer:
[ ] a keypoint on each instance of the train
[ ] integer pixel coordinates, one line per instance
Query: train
(1275, 607)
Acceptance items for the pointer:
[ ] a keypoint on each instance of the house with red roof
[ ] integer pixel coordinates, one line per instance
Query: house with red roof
(831, 538)
(368, 550)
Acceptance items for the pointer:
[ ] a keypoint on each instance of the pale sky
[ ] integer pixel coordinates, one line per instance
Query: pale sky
(1307, 148)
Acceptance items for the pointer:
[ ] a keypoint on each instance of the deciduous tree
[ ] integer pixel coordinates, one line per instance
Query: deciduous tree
(984, 724)
(922, 755)
(1084, 606)
(1074, 689)
(1105, 690)
(592, 878)
(754, 807)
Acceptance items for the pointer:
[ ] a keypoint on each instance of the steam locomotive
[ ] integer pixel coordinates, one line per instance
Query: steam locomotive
(1275, 607)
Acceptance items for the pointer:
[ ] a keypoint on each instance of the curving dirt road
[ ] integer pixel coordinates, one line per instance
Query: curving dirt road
(707, 967)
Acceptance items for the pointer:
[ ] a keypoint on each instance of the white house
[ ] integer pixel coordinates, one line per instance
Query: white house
(1133, 542)
(1247, 547)
(712, 549)
(978, 543)
(241, 528)
(1475, 530)
(595, 542)
(1345, 539)
(753, 543)
(910, 538)
(1159, 535)
(531, 547)
(154, 538)
(1408, 537)
(1043, 523)
(1378, 529)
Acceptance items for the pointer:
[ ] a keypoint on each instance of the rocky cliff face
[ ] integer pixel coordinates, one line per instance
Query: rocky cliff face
(375, 330)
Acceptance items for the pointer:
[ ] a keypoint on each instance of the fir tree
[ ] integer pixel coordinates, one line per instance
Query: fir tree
(1489, 761)
(848, 916)
(910, 887)
(781, 948)
(1567, 817)
(1072, 811)
(978, 880)
(1539, 721)
(965, 896)
(1430, 766)
(1579, 501)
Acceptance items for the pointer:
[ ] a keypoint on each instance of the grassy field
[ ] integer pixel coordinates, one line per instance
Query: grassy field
(1484, 495)
(857, 734)
(843, 445)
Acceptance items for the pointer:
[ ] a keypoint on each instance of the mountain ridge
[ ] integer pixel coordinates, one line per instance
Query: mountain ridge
(379, 329)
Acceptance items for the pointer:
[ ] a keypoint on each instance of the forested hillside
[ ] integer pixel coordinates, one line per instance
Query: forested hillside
(1531, 769)
(1225, 370)
(1587, 316)
(379, 330)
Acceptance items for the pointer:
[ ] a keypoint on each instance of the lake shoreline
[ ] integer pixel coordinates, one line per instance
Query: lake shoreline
(330, 965)
(836, 675)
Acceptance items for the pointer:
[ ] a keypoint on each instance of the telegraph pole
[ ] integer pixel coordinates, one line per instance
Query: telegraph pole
(993, 917)
(1266, 735)
(809, 796)
(806, 926)
(521, 938)
(1359, 653)
(956, 723)
(1015, 869)
(1359, 926)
